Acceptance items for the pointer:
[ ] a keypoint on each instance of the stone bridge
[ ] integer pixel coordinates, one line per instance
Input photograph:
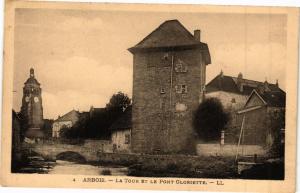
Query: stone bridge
(89, 150)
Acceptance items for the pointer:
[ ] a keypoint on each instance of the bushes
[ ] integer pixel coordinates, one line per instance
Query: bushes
(209, 119)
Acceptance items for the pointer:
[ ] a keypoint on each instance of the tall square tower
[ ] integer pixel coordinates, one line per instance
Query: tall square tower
(168, 80)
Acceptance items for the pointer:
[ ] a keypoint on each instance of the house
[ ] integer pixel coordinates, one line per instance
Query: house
(233, 92)
(121, 132)
(166, 65)
(260, 117)
(95, 111)
(67, 120)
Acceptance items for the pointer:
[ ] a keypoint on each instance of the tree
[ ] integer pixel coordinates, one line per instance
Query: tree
(277, 126)
(116, 106)
(65, 132)
(209, 119)
(118, 102)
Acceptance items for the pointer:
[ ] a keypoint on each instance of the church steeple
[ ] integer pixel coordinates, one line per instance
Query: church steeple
(32, 108)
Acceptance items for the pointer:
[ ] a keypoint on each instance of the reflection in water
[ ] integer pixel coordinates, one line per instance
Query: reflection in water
(38, 165)
(66, 167)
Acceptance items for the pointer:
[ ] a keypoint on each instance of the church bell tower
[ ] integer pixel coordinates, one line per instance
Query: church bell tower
(32, 109)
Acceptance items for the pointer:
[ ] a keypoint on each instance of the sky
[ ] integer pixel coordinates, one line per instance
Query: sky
(81, 57)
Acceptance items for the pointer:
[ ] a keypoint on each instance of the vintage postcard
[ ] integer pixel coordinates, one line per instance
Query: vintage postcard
(145, 96)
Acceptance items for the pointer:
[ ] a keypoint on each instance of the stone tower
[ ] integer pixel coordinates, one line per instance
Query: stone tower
(168, 80)
(32, 109)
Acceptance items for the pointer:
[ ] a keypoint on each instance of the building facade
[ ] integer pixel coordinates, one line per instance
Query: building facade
(169, 68)
(262, 117)
(67, 120)
(32, 109)
(121, 132)
(233, 92)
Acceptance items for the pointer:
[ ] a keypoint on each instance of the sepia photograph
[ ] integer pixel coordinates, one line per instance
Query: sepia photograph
(150, 94)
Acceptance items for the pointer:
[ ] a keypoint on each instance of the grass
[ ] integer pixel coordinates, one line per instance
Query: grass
(206, 167)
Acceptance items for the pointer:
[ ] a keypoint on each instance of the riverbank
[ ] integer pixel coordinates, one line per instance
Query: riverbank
(185, 166)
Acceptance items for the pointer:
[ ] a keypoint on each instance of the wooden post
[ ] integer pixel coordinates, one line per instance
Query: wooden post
(222, 137)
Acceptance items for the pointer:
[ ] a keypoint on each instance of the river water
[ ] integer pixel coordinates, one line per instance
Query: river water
(66, 167)
(39, 165)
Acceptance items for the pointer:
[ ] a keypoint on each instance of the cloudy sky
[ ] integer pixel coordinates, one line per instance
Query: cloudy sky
(81, 58)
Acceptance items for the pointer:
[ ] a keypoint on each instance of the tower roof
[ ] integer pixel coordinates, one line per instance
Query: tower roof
(170, 34)
(31, 79)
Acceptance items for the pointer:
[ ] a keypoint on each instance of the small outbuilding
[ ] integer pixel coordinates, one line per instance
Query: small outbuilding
(121, 132)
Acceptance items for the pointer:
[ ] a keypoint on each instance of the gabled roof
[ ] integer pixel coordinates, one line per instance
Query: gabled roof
(230, 84)
(269, 98)
(170, 34)
(124, 122)
(70, 116)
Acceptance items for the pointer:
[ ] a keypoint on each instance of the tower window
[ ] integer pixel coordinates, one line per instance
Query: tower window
(162, 90)
(181, 88)
(127, 138)
(166, 56)
(233, 100)
(180, 66)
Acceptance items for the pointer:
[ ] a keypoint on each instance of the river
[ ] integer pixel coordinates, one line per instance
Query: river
(66, 167)
(39, 165)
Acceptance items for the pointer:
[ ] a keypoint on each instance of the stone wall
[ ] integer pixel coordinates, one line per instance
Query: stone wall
(215, 149)
(230, 101)
(161, 160)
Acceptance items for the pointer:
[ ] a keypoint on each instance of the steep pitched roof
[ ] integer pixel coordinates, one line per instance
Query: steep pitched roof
(32, 80)
(222, 83)
(269, 98)
(171, 34)
(230, 84)
(274, 99)
(70, 116)
(124, 122)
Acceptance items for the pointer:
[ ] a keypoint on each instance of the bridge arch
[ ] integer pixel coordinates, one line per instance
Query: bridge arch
(71, 156)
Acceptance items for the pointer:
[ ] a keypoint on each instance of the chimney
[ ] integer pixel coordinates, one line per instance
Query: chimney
(266, 86)
(261, 88)
(239, 82)
(221, 74)
(240, 76)
(277, 83)
(197, 34)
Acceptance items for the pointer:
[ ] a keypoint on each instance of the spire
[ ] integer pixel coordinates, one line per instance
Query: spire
(31, 72)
